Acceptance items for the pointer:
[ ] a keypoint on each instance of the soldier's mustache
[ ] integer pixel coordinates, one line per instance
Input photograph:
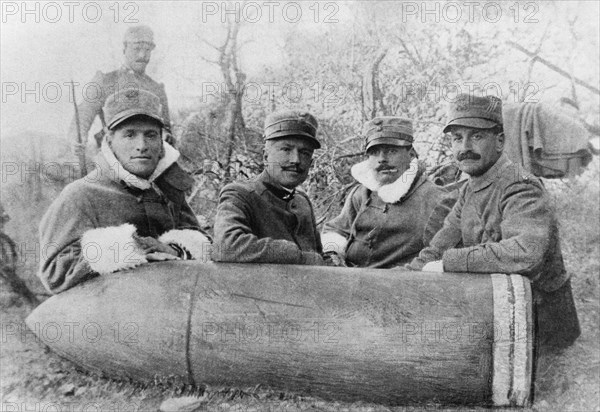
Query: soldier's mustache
(384, 167)
(468, 155)
(293, 169)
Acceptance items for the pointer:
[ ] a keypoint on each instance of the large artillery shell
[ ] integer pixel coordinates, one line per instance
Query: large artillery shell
(386, 336)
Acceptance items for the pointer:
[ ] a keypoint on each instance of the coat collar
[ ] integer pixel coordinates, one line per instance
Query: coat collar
(129, 70)
(490, 176)
(118, 173)
(392, 192)
(279, 191)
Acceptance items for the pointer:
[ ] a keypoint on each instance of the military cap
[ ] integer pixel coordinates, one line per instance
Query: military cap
(131, 102)
(394, 131)
(472, 111)
(292, 123)
(139, 34)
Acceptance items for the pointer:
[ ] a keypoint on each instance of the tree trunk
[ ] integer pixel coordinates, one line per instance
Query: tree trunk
(372, 95)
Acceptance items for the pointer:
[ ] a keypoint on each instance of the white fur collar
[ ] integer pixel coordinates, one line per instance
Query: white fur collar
(392, 192)
(118, 171)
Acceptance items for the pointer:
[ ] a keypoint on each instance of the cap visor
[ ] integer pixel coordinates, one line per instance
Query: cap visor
(475, 122)
(391, 141)
(129, 114)
(306, 136)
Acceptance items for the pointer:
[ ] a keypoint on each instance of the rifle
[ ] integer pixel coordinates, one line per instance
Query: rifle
(100, 135)
(81, 154)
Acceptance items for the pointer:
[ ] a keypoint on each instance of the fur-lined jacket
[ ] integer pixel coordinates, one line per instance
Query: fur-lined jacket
(387, 226)
(89, 228)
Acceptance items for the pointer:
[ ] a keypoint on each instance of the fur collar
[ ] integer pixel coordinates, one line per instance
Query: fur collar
(118, 172)
(392, 192)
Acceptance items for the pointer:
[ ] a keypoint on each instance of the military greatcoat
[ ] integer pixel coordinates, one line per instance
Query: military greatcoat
(259, 222)
(503, 222)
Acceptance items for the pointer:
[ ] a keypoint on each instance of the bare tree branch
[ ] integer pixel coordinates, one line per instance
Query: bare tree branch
(553, 66)
(209, 61)
(217, 48)
(416, 61)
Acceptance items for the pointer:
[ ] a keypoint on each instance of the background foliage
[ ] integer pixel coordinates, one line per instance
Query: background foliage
(378, 66)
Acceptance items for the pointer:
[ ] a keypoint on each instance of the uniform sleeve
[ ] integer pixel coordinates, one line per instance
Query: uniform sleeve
(187, 218)
(438, 207)
(526, 227)
(62, 264)
(235, 241)
(449, 236)
(336, 232)
(90, 105)
(313, 218)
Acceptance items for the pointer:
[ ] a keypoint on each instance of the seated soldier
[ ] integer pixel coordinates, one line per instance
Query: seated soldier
(395, 210)
(266, 220)
(503, 220)
(130, 210)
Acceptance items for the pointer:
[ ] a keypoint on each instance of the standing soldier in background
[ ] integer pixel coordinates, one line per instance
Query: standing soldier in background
(138, 44)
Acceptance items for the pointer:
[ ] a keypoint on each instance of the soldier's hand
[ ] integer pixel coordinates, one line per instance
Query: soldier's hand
(435, 266)
(160, 256)
(150, 245)
(334, 259)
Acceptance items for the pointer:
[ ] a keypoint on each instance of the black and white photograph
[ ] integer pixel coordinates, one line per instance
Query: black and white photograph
(310, 205)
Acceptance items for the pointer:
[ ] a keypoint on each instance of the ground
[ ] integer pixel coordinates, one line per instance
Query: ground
(34, 379)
